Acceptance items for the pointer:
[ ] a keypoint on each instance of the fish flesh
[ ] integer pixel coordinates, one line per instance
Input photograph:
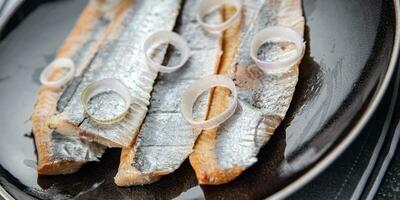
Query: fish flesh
(58, 154)
(121, 58)
(165, 140)
(223, 153)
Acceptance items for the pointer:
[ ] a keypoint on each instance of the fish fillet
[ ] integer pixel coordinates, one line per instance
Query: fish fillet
(222, 154)
(165, 140)
(121, 58)
(59, 154)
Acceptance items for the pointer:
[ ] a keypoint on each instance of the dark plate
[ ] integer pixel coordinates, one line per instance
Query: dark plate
(352, 49)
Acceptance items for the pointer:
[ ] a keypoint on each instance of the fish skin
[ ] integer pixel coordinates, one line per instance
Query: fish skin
(165, 139)
(122, 58)
(223, 153)
(59, 154)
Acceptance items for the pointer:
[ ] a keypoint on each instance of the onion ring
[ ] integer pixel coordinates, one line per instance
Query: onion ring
(166, 37)
(57, 64)
(104, 85)
(190, 96)
(207, 6)
(276, 33)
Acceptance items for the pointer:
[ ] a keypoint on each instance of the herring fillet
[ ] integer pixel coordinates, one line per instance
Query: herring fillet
(165, 139)
(121, 58)
(59, 154)
(223, 153)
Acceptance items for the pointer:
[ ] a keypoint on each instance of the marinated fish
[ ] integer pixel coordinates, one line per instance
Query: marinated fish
(223, 153)
(58, 154)
(165, 140)
(121, 58)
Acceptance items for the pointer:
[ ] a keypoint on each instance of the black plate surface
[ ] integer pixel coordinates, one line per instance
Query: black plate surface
(349, 47)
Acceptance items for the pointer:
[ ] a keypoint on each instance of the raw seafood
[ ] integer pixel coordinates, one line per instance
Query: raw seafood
(223, 153)
(121, 58)
(165, 139)
(59, 154)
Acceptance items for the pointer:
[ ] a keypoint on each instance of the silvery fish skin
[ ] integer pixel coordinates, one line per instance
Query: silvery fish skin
(58, 154)
(121, 58)
(263, 100)
(165, 139)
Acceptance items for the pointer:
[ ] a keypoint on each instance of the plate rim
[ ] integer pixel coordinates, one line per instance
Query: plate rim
(4, 194)
(331, 156)
(3, 21)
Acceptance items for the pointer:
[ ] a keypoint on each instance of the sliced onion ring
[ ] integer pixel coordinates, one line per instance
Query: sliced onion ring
(105, 6)
(190, 96)
(102, 86)
(276, 33)
(58, 64)
(207, 6)
(166, 37)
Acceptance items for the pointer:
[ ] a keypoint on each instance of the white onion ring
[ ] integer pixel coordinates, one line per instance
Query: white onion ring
(57, 64)
(208, 6)
(104, 85)
(191, 94)
(276, 33)
(105, 7)
(166, 37)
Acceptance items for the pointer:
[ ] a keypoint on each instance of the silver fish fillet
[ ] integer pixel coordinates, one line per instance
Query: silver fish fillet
(222, 154)
(120, 58)
(58, 154)
(165, 140)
